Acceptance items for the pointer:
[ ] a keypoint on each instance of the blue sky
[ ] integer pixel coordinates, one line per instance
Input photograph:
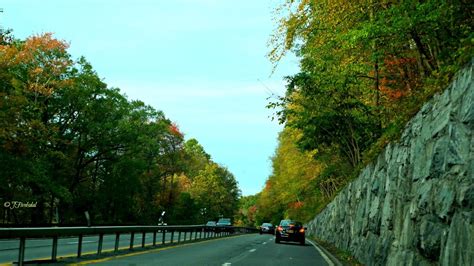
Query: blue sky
(202, 62)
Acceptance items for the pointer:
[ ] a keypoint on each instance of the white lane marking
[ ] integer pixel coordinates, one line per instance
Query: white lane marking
(322, 253)
(264, 243)
(252, 250)
(227, 264)
(76, 242)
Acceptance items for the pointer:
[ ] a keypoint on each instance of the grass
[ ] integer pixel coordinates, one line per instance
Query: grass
(343, 256)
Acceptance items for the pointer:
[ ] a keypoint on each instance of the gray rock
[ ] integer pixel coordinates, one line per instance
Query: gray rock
(414, 205)
(466, 196)
(443, 202)
(430, 235)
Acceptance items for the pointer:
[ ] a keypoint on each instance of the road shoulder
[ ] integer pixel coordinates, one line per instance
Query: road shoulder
(339, 257)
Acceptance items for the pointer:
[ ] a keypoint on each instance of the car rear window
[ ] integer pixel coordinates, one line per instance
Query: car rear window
(266, 224)
(290, 222)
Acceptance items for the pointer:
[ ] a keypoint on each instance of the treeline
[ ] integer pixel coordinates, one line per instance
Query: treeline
(71, 144)
(365, 68)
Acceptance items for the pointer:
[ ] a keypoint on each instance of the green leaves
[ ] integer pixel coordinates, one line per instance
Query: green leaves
(365, 66)
(73, 144)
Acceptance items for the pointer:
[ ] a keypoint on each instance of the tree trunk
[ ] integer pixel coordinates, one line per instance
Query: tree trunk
(422, 51)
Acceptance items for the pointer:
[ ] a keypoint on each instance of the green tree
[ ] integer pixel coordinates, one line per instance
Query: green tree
(215, 189)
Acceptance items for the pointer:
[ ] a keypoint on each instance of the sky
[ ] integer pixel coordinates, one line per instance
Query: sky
(202, 62)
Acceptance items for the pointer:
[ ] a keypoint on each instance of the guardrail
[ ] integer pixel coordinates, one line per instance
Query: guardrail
(204, 232)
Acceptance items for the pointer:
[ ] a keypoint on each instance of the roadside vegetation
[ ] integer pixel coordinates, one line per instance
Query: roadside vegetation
(344, 257)
(70, 144)
(366, 67)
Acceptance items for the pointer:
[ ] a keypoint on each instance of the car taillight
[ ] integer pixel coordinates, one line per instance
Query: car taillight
(302, 230)
(280, 228)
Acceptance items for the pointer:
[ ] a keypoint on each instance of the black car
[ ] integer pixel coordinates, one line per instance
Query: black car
(289, 230)
(267, 228)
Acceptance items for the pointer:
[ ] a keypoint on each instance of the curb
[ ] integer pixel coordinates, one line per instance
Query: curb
(333, 259)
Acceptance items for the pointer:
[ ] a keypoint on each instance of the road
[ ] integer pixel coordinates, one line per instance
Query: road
(41, 248)
(242, 250)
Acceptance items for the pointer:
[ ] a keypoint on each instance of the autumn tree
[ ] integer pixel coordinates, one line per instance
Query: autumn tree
(73, 144)
(365, 67)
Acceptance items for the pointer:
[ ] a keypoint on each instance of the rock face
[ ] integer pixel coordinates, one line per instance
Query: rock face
(414, 205)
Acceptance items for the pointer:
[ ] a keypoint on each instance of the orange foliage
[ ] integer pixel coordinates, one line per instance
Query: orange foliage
(399, 77)
(43, 59)
(296, 205)
(174, 129)
(268, 185)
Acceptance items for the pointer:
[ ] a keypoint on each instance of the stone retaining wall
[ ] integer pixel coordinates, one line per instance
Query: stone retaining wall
(414, 205)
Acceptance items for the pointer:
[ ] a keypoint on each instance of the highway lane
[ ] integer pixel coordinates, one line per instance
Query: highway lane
(242, 250)
(41, 248)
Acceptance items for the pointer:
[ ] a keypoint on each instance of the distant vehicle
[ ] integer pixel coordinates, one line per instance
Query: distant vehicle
(224, 222)
(267, 228)
(211, 223)
(289, 230)
(210, 226)
(222, 225)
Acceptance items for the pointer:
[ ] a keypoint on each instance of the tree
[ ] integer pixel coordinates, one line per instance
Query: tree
(365, 67)
(196, 157)
(73, 144)
(215, 189)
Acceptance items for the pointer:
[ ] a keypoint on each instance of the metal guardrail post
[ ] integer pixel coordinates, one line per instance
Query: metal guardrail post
(132, 236)
(54, 252)
(79, 246)
(55, 233)
(117, 241)
(21, 252)
(99, 247)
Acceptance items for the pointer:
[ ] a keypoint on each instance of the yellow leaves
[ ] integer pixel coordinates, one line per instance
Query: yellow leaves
(40, 88)
(8, 54)
(37, 71)
(184, 183)
(45, 42)
(40, 63)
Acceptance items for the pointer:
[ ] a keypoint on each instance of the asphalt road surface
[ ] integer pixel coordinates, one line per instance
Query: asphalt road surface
(40, 249)
(245, 250)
